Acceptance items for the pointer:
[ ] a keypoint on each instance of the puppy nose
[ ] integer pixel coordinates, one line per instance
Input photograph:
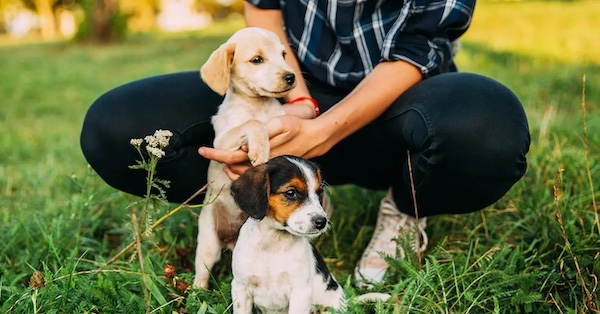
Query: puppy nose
(320, 222)
(289, 78)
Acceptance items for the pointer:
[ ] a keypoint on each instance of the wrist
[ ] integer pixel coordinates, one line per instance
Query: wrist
(309, 102)
(323, 134)
(299, 110)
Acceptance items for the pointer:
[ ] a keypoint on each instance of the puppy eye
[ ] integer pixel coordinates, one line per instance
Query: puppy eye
(257, 60)
(291, 193)
(283, 54)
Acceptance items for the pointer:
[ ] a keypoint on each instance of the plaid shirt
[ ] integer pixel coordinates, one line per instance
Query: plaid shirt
(339, 42)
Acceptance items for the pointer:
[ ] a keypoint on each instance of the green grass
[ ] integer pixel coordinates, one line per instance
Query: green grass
(58, 217)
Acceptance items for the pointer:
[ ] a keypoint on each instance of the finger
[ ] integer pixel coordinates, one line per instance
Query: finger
(279, 133)
(223, 156)
(230, 174)
(239, 169)
(275, 127)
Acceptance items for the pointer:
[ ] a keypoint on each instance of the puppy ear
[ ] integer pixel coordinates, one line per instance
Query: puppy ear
(251, 191)
(216, 71)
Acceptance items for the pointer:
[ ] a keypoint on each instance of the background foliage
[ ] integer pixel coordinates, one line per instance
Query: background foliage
(105, 21)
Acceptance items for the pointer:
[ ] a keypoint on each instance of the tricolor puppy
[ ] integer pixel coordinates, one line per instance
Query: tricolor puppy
(250, 70)
(275, 267)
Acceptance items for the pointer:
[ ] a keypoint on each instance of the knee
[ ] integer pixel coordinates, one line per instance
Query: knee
(90, 140)
(484, 131)
(100, 129)
(488, 149)
(106, 147)
(475, 140)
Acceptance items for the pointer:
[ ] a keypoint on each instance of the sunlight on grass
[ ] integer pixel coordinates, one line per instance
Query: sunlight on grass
(554, 30)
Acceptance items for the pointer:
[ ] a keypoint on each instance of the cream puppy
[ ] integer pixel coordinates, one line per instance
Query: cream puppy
(251, 71)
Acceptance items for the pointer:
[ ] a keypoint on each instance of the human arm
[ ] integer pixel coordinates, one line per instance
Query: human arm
(374, 95)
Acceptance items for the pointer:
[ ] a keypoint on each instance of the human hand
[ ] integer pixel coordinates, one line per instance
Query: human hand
(288, 135)
(291, 135)
(302, 109)
(236, 162)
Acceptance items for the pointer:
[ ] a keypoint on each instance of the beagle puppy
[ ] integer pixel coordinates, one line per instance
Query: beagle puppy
(251, 71)
(275, 267)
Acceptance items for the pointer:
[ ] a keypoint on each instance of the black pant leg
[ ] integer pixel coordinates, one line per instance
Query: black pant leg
(178, 102)
(467, 136)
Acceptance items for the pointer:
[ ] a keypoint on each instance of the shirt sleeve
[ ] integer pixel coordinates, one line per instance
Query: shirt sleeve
(424, 32)
(265, 4)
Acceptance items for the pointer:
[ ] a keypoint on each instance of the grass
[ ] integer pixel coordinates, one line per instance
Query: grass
(537, 250)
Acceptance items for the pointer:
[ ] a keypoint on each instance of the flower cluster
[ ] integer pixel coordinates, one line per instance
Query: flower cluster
(137, 142)
(179, 284)
(154, 143)
(37, 280)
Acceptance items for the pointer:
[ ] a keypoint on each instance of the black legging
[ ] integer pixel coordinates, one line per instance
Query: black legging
(467, 136)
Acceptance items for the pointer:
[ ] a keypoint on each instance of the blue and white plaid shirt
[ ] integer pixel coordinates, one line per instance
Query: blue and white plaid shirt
(339, 42)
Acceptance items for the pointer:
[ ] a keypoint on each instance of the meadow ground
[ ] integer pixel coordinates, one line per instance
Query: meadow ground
(537, 250)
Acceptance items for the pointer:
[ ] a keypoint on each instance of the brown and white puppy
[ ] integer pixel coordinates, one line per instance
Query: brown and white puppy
(275, 267)
(250, 70)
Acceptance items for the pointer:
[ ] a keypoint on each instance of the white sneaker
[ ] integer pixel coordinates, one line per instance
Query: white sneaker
(391, 223)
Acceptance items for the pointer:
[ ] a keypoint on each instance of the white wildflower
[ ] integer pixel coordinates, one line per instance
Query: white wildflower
(155, 151)
(151, 140)
(163, 136)
(137, 142)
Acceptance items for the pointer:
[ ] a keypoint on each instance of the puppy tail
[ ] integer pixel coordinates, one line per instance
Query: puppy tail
(373, 297)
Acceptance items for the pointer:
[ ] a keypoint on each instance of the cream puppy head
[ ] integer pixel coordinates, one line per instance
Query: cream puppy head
(288, 192)
(251, 62)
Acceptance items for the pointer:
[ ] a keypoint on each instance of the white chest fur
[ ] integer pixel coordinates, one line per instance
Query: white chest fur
(273, 268)
(236, 111)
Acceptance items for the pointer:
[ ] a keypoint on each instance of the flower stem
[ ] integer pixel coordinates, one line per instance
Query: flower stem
(157, 223)
(138, 243)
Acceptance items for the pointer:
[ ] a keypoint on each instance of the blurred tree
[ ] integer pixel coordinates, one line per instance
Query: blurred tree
(110, 20)
(45, 11)
(103, 22)
(3, 5)
(142, 14)
(220, 9)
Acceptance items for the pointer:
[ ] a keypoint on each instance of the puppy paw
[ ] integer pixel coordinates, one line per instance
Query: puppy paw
(255, 161)
(258, 156)
(201, 283)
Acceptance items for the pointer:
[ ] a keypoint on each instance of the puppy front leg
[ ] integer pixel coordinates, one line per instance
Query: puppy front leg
(259, 148)
(252, 133)
(242, 303)
(300, 300)
(208, 250)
